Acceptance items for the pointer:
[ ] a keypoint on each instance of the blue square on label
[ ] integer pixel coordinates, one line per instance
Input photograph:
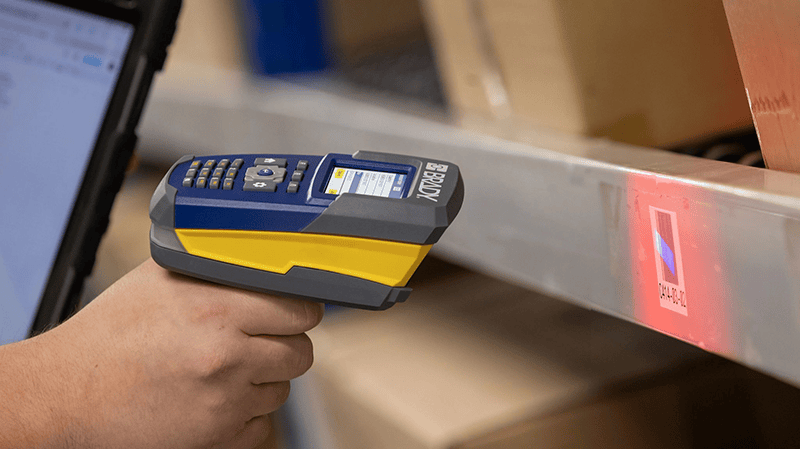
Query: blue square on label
(666, 253)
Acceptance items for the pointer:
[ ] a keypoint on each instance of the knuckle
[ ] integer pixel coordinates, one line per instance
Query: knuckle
(257, 431)
(304, 355)
(264, 430)
(215, 361)
(280, 391)
(309, 315)
(296, 355)
(214, 431)
(220, 403)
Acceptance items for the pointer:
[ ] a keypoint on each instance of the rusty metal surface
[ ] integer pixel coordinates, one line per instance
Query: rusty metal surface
(766, 35)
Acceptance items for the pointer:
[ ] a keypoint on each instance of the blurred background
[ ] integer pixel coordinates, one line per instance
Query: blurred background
(477, 358)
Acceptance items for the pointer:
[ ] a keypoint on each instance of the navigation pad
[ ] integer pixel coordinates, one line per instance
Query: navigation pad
(271, 173)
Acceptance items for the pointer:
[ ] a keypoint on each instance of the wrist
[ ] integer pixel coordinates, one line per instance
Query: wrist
(38, 409)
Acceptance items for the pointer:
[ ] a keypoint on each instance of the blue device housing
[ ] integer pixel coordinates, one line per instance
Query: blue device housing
(203, 208)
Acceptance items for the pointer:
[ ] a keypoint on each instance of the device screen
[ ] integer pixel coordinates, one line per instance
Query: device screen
(366, 182)
(58, 69)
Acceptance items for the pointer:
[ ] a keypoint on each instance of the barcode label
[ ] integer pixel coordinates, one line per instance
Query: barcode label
(669, 262)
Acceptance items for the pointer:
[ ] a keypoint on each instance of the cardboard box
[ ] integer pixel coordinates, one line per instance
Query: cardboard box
(207, 35)
(652, 73)
(768, 47)
(472, 362)
(359, 28)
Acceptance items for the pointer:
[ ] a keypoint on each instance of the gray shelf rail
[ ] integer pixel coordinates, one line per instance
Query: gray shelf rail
(707, 252)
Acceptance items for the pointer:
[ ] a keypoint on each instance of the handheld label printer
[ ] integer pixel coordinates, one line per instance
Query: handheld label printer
(341, 229)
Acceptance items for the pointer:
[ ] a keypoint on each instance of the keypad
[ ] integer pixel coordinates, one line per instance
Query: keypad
(211, 174)
(263, 176)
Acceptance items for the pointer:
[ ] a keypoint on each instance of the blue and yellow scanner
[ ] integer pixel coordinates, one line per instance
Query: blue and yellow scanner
(341, 229)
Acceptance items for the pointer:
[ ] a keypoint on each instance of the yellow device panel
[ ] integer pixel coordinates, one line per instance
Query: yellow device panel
(386, 262)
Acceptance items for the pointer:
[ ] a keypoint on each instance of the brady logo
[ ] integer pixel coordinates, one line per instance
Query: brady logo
(436, 167)
(430, 186)
(669, 263)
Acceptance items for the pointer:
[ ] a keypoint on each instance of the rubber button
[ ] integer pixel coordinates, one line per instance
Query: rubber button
(218, 172)
(214, 183)
(196, 164)
(210, 163)
(206, 172)
(265, 172)
(297, 176)
(224, 163)
(191, 173)
(231, 173)
(227, 184)
(271, 161)
(187, 182)
(237, 163)
(260, 186)
(293, 187)
(201, 182)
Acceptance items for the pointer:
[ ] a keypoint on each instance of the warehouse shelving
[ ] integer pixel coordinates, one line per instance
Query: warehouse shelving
(566, 215)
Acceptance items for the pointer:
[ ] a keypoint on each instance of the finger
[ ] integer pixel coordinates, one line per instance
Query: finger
(266, 398)
(254, 313)
(275, 359)
(261, 314)
(254, 433)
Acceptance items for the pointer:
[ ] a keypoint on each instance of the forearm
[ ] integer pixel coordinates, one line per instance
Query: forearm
(34, 397)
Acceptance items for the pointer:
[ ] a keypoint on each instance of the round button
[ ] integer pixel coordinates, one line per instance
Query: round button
(265, 172)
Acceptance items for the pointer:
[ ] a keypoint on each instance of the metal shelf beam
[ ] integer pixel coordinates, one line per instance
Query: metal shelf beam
(573, 217)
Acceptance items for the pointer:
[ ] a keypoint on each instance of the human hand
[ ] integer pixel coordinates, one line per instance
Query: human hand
(163, 360)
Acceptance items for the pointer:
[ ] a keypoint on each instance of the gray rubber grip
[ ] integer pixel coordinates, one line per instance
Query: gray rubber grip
(162, 204)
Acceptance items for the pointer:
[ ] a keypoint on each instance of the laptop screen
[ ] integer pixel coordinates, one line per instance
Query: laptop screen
(58, 70)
